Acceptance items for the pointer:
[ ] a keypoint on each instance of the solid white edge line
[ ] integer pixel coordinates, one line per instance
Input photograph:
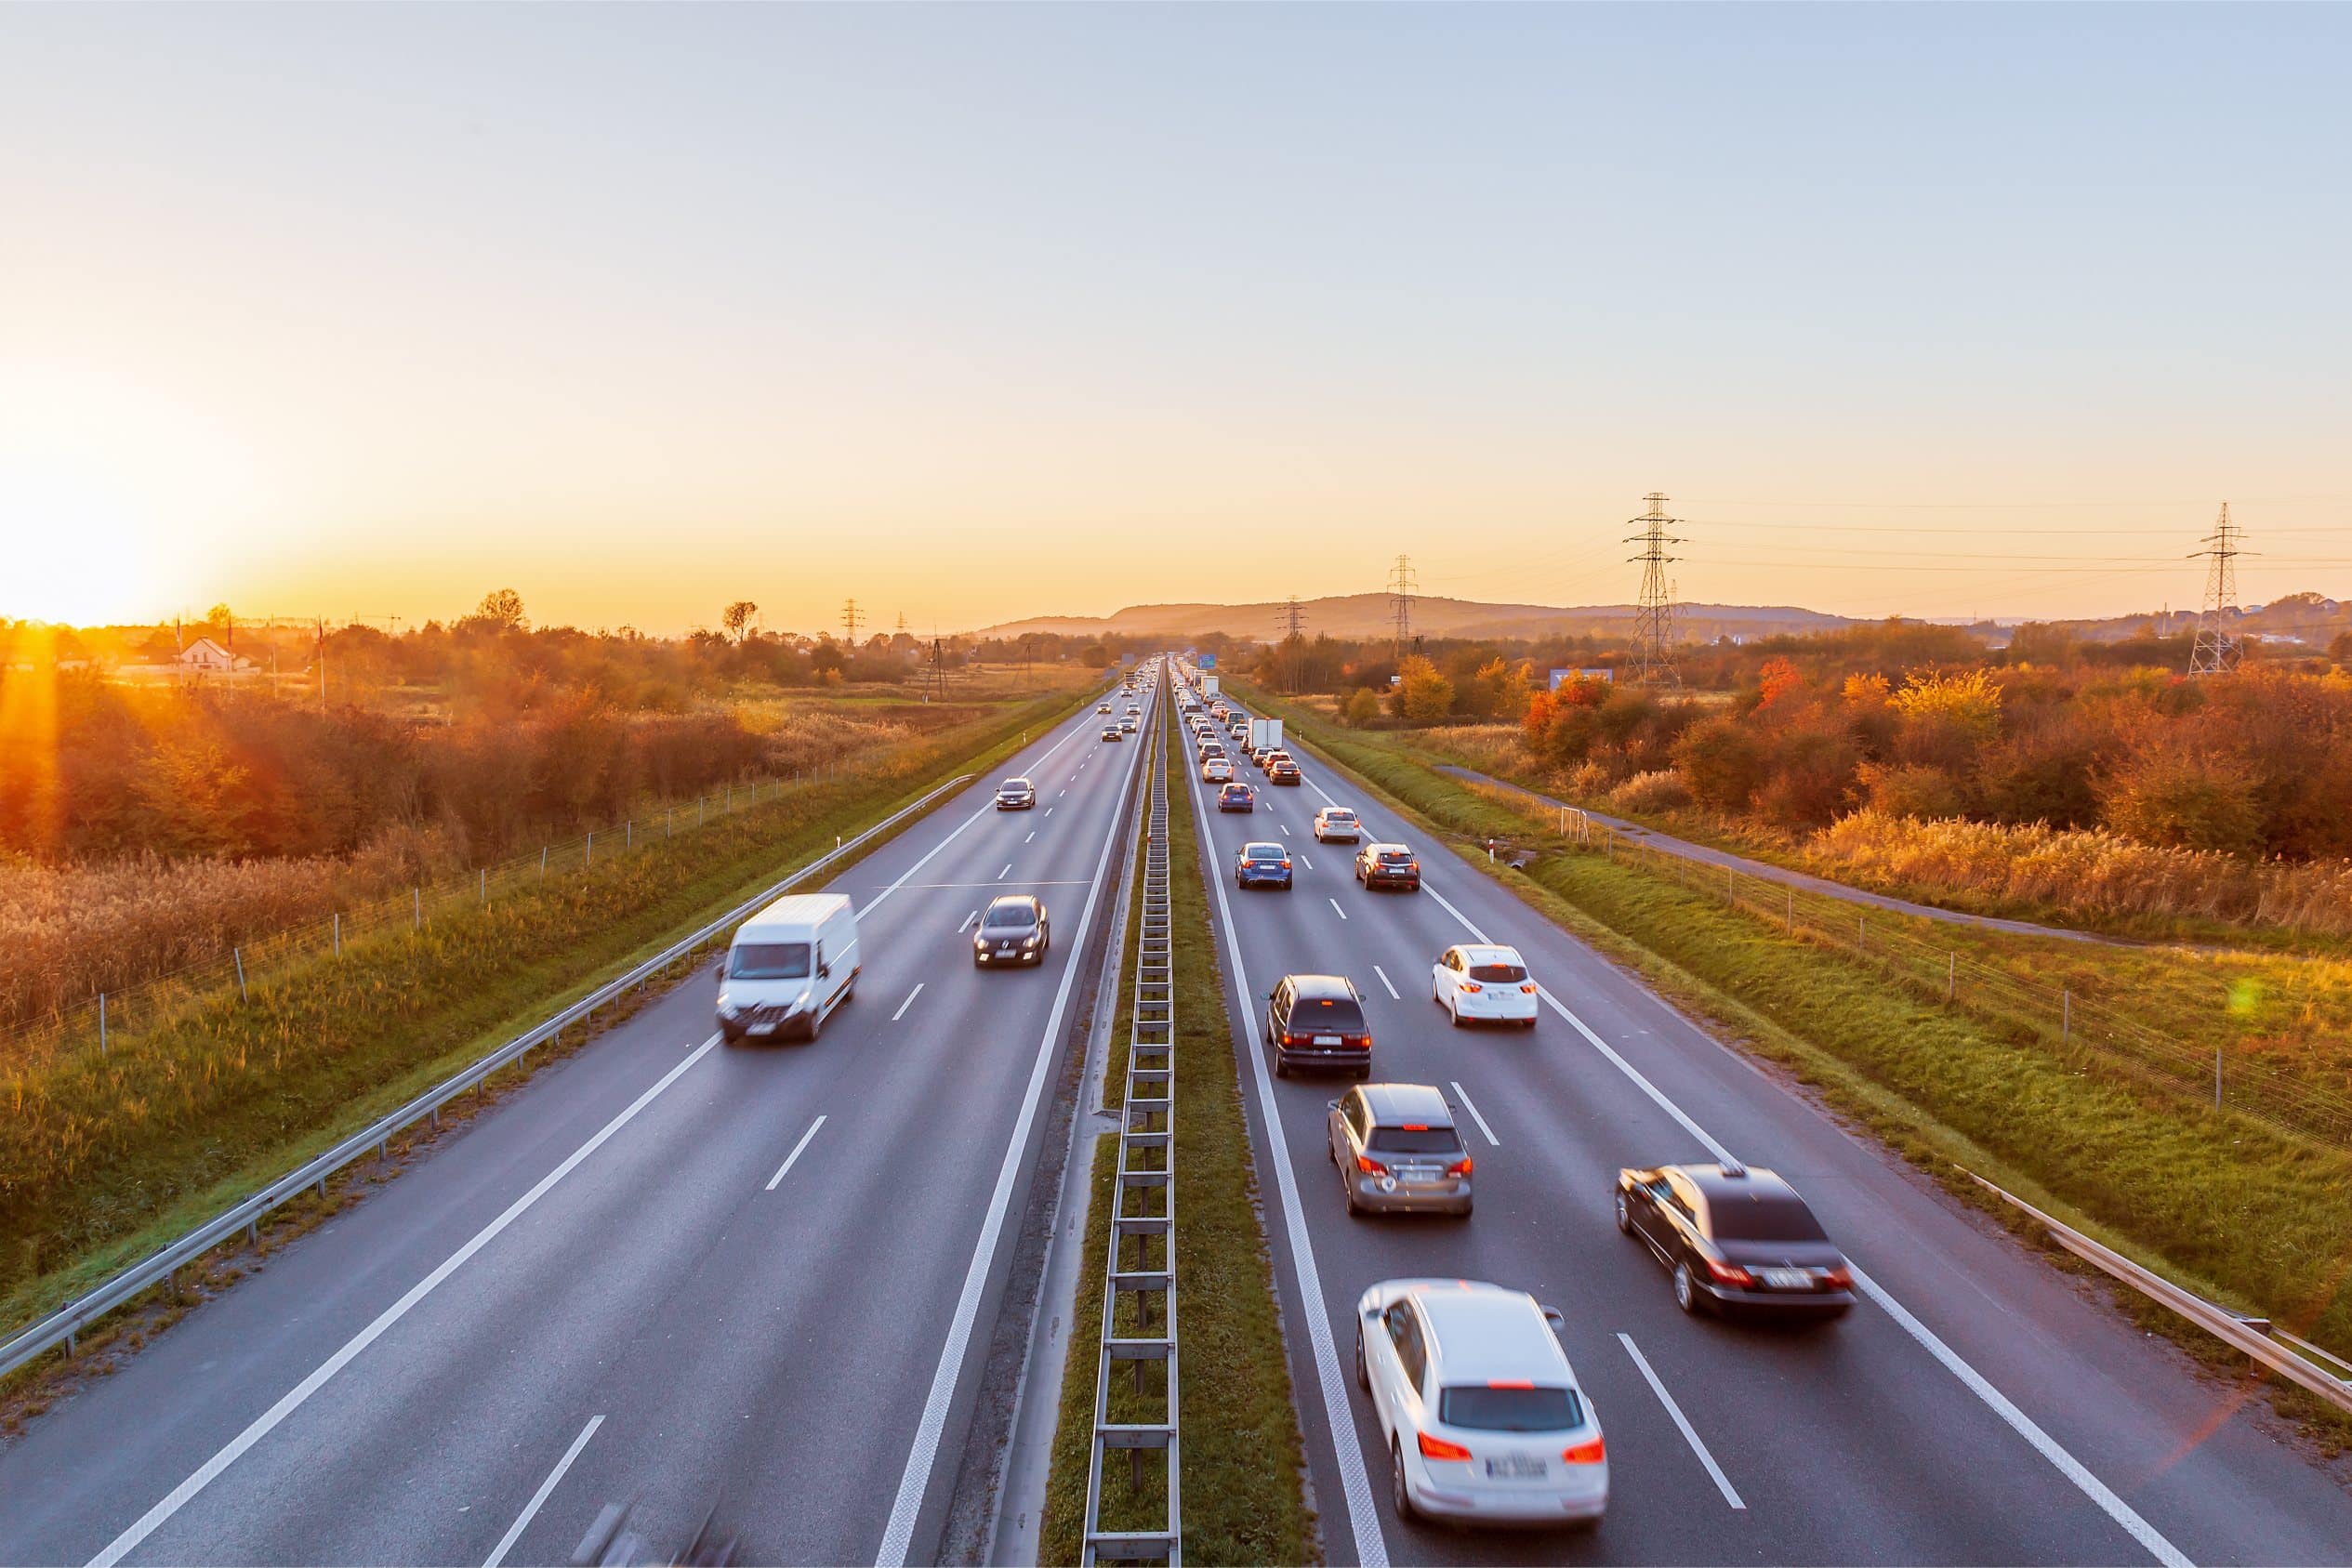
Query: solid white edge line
(1337, 910)
(531, 1509)
(1722, 1483)
(2025, 1425)
(2090, 1486)
(1393, 995)
(783, 1169)
(1472, 1106)
(912, 994)
(1364, 1520)
(898, 1534)
(294, 1398)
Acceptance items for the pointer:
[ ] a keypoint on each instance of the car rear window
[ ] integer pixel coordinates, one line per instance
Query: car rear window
(1762, 1220)
(1425, 1141)
(1263, 851)
(1396, 857)
(1484, 1408)
(1498, 974)
(1338, 816)
(1326, 1014)
(1004, 914)
(769, 960)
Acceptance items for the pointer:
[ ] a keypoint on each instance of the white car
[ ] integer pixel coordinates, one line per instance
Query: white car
(1479, 984)
(1337, 824)
(1216, 769)
(1482, 1413)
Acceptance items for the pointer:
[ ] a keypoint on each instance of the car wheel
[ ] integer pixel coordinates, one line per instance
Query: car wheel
(1399, 1495)
(1347, 1194)
(1624, 1215)
(1453, 1011)
(1281, 1068)
(1686, 1289)
(1362, 1371)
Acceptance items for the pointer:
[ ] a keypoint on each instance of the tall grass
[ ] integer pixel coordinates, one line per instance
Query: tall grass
(2086, 872)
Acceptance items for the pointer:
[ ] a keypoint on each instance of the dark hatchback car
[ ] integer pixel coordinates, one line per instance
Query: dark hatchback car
(1282, 770)
(1735, 1238)
(1263, 865)
(1388, 865)
(1317, 1020)
(1013, 930)
(1236, 798)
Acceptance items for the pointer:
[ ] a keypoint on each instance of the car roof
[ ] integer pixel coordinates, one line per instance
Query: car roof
(1268, 845)
(1491, 952)
(1395, 1104)
(1722, 1184)
(1337, 811)
(1482, 1333)
(1321, 985)
(1030, 900)
(1375, 848)
(1016, 781)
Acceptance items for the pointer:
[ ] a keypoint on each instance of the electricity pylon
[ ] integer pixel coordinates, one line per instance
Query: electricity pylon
(1401, 584)
(1654, 616)
(2216, 651)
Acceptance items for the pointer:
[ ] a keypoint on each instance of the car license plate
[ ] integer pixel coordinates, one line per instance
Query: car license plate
(762, 1029)
(1327, 1039)
(1788, 1279)
(1004, 950)
(1517, 1467)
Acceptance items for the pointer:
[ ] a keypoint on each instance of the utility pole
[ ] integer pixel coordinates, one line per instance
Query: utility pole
(852, 618)
(2216, 651)
(1654, 617)
(938, 670)
(1402, 581)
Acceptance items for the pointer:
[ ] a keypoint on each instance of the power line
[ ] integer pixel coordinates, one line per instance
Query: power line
(2216, 651)
(1654, 617)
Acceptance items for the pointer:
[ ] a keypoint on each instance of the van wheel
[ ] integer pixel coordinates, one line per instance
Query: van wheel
(817, 1023)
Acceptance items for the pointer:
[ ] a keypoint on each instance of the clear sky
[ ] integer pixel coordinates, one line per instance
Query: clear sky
(979, 312)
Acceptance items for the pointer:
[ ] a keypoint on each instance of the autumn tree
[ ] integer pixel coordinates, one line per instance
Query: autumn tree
(501, 608)
(1423, 696)
(738, 618)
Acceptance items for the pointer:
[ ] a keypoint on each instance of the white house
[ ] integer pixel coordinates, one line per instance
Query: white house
(206, 654)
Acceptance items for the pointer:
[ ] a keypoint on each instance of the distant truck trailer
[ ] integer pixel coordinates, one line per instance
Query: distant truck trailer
(1264, 732)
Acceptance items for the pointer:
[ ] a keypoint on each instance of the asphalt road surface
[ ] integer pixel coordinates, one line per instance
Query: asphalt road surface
(667, 1270)
(1974, 1407)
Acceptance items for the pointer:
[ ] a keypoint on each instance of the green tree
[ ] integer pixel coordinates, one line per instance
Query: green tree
(1423, 696)
(1363, 706)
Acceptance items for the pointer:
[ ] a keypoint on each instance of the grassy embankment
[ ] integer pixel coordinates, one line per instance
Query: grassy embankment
(1241, 1452)
(103, 1158)
(2257, 1219)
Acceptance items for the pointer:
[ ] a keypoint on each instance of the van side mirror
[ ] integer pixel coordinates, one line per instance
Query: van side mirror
(825, 971)
(1553, 1316)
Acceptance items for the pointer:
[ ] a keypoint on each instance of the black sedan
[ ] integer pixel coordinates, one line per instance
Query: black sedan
(1735, 1238)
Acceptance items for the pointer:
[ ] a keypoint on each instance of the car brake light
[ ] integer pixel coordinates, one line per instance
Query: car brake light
(1357, 1042)
(1438, 1448)
(1415, 1126)
(1730, 1273)
(1839, 1278)
(1591, 1453)
(1528, 989)
(1509, 1383)
(1286, 865)
(1472, 986)
(1369, 1165)
(1460, 1168)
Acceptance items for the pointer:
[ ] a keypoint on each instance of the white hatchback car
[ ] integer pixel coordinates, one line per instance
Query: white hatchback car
(1479, 984)
(1482, 1413)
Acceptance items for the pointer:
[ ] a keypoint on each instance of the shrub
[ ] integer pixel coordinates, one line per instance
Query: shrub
(1912, 790)
(2176, 798)
(1361, 708)
(1720, 762)
(1662, 790)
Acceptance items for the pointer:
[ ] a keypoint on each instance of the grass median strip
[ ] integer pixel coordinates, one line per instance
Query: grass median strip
(1241, 1451)
(2256, 1219)
(105, 1158)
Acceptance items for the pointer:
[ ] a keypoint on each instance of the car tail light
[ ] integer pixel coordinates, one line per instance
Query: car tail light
(1839, 1278)
(1369, 1165)
(1460, 1168)
(1472, 986)
(1730, 1273)
(1357, 1042)
(1438, 1448)
(1528, 989)
(1286, 865)
(1591, 1453)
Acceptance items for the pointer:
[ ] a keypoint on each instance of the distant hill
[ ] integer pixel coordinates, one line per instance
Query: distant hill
(1372, 616)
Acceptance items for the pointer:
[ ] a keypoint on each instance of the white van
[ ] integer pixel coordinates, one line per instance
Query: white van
(788, 967)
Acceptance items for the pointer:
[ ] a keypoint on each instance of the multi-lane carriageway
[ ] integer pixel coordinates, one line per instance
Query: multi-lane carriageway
(769, 1279)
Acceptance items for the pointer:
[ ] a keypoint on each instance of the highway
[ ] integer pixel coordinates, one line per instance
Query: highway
(763, 1278)
(1976, 1406)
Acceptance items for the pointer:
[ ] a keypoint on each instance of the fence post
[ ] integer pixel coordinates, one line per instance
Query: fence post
(698, 806)
(1952, 975)
(101, 1023)
(1792, 912)
(591, 851)
(2066, 1015)
(2216, 1074)
(543, 860)
(415, 908)
(1729, 895)
(239, 955)
(338, 933)
(628, 834)
(1861, 935)
(483, 872)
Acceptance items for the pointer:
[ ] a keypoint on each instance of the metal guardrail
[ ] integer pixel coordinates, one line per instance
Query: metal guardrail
(65, 1325)
(2251, 1336)
(1141, 1277)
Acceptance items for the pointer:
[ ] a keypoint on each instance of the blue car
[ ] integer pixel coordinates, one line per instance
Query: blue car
(1263, 865)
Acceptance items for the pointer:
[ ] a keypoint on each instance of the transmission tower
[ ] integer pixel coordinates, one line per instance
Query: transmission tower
(1294, 620)
(901, 621)
(2216, 651)
(1401, 584)
(852, 618)
(1653, 618)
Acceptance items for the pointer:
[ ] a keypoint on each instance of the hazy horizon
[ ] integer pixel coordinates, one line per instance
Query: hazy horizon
(984, 314)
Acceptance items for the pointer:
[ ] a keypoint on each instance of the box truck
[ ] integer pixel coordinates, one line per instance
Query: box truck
(1264, 732)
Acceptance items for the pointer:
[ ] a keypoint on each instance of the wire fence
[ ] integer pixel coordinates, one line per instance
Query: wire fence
(108, 1018)
(2084, 1028)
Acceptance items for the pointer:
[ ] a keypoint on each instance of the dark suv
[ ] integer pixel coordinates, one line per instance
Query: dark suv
(1733, 1237)
(1388, 865)
(1317, 1020)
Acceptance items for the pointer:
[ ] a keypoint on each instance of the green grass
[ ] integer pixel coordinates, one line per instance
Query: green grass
(2257, 1219)
(104, 1158)
(1241, 1452)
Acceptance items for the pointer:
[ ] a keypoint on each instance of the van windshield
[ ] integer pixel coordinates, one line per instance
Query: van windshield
(769, 960)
